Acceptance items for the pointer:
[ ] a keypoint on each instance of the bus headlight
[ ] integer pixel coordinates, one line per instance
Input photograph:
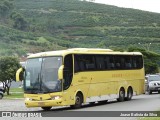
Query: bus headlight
(55, 97)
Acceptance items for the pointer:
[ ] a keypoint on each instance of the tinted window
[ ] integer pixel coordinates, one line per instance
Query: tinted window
(68, 71)
(127, 62)
(107, 62)
(84, 63)
(119, 62)
(137, 62)
(101, 63)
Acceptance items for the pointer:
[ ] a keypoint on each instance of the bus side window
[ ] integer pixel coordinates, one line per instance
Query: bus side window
(128, 62)
(76, 65)
(82, 65)
(111, 64)
(89, 62)
(118, 66)
(139, 62)
(79, 64)
(106, 62)
(68, 71)
(128, 65)
(134, 63)
(118, 62)
(90, 66)
(100, 62)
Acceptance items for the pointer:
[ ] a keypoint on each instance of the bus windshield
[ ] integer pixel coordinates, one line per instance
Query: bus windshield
(41, 75)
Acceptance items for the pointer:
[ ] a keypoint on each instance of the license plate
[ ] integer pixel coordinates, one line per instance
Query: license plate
(41, 103)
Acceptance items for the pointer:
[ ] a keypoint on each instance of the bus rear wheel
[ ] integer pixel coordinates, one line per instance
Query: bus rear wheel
(129, 94)
(78, 101)
(46, 108)
(121, 95)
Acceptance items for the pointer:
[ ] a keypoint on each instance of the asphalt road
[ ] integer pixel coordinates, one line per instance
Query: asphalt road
(143, 102)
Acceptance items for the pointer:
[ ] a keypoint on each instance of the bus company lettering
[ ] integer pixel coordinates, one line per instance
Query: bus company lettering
(120, 75)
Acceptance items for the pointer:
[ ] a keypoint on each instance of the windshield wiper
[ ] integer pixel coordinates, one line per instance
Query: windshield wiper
(35, 86)
(45, 87)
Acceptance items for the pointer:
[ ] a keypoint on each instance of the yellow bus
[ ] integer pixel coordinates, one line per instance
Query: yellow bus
(81, 75)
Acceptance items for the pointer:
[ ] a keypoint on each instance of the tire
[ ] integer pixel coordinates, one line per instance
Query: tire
(129, 94)
(121, 95)
(149, 92)
(1, 96)
(46, 108)
(78, 101)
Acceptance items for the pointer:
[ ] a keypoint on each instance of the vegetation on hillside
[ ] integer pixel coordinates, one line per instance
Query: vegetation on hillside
(29, 26)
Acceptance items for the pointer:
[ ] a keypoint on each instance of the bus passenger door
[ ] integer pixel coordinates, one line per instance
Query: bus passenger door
(68, 76)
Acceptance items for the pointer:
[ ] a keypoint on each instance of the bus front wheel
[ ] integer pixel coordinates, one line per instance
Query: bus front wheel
(121, 95)
(78, 101)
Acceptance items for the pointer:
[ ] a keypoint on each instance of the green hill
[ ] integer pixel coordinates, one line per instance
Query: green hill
(42, 25)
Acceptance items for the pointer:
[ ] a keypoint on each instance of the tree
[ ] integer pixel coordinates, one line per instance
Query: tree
(151, 67)
(6, 7)
(19, 21)
(151, 59)
(8, 68)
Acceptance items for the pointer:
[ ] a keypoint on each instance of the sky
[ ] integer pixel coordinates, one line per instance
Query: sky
(147, 5)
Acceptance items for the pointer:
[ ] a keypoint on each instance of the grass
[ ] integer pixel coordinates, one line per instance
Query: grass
(16, 90)
(15, 93)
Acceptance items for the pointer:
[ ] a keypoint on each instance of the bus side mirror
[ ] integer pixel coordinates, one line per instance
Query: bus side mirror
(19, 74)
(60, 72)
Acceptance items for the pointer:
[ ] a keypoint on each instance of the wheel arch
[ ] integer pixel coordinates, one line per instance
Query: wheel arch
(130, 87)
(121, 96)
(79, 92)
(122, 87)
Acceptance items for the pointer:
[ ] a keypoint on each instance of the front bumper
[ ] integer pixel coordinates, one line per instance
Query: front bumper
(44, 103)
(154, 88)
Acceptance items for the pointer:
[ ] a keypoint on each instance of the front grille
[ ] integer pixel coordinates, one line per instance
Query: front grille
(156, 84)
(41, 99)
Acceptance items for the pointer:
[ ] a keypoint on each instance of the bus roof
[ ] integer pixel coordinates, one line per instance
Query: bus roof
(81, 51)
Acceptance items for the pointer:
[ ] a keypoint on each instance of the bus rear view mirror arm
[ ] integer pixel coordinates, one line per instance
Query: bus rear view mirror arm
(60, 72)
(19, 74)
